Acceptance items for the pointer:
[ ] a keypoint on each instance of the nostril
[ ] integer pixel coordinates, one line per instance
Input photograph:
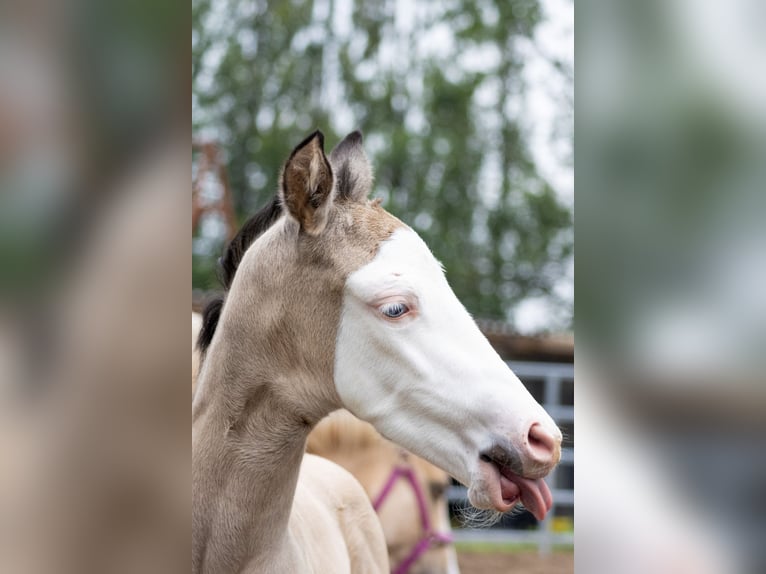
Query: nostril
(543, 445)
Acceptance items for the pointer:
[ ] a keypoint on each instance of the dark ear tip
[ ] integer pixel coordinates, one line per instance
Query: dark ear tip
(351, 141)
(319, 135)
(315, 135)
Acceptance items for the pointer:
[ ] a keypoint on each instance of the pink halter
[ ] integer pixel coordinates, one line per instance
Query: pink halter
(430, 538)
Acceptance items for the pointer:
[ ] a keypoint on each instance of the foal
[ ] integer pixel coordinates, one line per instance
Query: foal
(356, 446)
(408, 492)
(339, 304)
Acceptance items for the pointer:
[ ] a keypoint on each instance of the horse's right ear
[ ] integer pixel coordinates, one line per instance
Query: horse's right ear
(306, 186)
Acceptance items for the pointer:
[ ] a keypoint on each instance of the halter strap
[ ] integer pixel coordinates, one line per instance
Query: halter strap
(430, 538)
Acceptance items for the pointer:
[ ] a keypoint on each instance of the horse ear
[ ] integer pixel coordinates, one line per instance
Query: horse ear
(352, 168)
(307, 184)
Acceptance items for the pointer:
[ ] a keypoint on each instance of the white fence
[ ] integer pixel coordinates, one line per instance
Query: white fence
(553, 385)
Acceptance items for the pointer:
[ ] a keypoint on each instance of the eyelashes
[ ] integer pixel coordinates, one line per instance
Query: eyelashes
(394, 310)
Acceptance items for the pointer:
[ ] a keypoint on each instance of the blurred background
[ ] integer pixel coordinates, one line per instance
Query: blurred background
(94, 252)
(467, 112)
(671, 276)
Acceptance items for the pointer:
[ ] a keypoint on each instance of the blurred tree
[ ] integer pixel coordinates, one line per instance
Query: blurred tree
(436, 89)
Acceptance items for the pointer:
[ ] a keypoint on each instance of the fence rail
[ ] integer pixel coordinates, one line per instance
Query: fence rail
(552, 376)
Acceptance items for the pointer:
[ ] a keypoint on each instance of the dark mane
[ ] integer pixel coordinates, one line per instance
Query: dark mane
(210, 317)
(250, 231)
(229, 262)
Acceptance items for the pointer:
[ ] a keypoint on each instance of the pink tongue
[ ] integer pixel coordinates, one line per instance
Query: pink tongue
(535, 494)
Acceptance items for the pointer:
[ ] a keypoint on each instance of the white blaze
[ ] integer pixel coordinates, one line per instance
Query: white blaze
(430, 380)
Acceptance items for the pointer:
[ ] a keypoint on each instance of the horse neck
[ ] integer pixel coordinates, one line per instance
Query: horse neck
(247, 450)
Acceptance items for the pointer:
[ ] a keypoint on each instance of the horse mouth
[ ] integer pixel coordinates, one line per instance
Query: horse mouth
(506, 489)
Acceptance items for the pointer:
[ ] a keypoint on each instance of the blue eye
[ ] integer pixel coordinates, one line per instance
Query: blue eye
(394, 310)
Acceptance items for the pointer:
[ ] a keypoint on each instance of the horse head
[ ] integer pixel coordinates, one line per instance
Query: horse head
(340, 298)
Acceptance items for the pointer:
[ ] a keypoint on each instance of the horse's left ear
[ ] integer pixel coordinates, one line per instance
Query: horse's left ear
(353, 171)
(307, 184)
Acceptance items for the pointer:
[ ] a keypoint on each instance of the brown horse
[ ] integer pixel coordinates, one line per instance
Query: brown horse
(332, 302)
(408, 492)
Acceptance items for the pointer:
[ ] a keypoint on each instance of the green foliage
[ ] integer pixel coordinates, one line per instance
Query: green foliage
(454, 165)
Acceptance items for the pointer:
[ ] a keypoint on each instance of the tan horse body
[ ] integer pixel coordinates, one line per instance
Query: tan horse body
(360, 449)
(334, 303)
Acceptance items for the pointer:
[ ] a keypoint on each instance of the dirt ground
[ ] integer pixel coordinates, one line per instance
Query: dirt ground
(515, 563)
